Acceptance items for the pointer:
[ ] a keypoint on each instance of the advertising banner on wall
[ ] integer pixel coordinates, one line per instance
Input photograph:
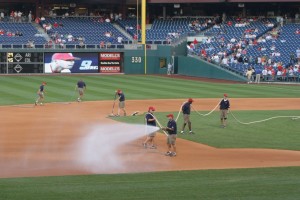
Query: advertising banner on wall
(110, 62)
(71, 63)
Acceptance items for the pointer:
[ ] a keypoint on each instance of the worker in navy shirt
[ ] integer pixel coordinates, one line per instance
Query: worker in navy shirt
(224, 107)
(186, 111)
(81, 87)
(121, 102)
(150, 121)
(41, 95)
(172, 134)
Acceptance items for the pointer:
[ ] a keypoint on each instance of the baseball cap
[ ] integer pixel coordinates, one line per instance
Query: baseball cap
(64, 56)
(170, 115)
(151, 108)
(190, 100)
(225, 95)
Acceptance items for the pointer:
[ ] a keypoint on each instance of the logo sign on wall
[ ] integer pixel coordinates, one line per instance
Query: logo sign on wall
(71, 63)
(110, 62)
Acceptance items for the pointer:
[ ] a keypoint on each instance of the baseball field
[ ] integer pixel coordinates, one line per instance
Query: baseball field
(73, 150)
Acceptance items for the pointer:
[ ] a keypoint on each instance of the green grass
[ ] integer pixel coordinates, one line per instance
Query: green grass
(22, 89)
(280, 133)
(234, 184)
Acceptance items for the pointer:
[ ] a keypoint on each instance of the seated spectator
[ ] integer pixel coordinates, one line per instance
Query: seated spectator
(49, 44)
(2, 32)
(107, 34)
(107, 20)
(18, 33)
(297, 31)
(55, 25)
(70, 37)
(203, 53)
(9, 34)
(273, 48)
(233, 40)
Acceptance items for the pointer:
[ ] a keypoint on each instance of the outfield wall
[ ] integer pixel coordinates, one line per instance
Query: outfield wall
(129, 61)
(191, 66)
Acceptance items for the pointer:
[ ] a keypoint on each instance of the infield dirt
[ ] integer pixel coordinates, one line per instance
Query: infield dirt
(39, 141)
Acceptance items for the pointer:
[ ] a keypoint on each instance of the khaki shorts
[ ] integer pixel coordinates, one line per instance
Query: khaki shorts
(80, 90)
(171, 139)
(186, 118)
(41, 94)
(152, 134)
(122, 104)
(223, 114)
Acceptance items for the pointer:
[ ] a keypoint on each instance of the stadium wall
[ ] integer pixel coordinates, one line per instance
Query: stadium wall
(133, 61)
(191, 66)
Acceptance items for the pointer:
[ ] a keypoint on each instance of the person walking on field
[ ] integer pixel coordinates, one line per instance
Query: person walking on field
(40, 94)
(81, 87)
(172, 134)
(150, 121)
(186, 110)
(224, 109)
(121, 102)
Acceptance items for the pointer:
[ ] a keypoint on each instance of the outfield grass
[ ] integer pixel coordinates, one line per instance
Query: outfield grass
(280, 133)
(22, 89)
(234, 184)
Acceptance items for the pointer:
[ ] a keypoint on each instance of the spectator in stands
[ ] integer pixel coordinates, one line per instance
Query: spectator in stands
(292, 58)
(2, 32)
(61, 24)
(291, 73)
(30, 44)
(233, 40)
(29, 17)
(49, 44)
(1, 16)
(19, 16)
(273, 48)
(107, 20)
(70, 37)
(120, 39)
(18, 33)
(297, 31)
(55, 25)
(102, 44)
(225, 61)
(298, 54)
(203, 53)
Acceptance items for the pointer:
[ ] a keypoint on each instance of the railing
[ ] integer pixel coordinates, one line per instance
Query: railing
(131, 46)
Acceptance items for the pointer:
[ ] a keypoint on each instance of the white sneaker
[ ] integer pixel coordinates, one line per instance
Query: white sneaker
(182, 132)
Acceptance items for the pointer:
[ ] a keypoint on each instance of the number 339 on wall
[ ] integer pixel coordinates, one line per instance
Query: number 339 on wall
(136, 59)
